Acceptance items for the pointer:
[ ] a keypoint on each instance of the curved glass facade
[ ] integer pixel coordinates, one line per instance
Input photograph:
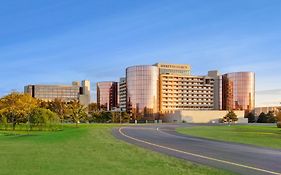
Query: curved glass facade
(142, 91)
(238, 91)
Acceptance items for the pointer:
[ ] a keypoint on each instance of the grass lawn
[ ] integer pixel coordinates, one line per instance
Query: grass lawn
(89, 149)
(267, 136)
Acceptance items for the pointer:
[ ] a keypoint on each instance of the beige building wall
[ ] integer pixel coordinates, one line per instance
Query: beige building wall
(175, 69)
(201, 116)
(259, 110)
(185, 92)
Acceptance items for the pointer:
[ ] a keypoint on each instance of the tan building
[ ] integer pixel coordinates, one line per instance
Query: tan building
(180, 90)
(122, 94)
(64, 92)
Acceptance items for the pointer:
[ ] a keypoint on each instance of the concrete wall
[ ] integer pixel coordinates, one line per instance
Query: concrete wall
(201, 116)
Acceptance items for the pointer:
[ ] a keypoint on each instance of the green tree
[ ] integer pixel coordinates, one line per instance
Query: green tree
(4, 121)
(93, 107)
(125, 117)
(271, 118)
(251, 117)
(16, 107)
(262, 118)
(230, 117)
(59, 107)
(41, 117)
(278, 117)
(267, 118)
(77, 111)
(101, 117)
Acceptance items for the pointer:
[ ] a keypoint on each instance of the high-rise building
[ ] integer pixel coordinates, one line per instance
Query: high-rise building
(238, 91)
(85, 97)
(165, 88)
(142, 92)
(186, 92)
(122, 94)
(180, 90)
(107, 95)
(64, 92)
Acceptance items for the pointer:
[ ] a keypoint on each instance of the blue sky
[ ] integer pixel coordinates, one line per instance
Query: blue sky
(50, 41)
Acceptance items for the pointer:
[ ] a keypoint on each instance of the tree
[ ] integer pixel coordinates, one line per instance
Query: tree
(262, 118)
(271, 118)
(101, 117)
(16, 107)
(59, 107)
(230, 117)
(278, 116)
(4, 121)
(251, 117)
(267, 118)
(125, 117)
(93, 107)
(42, 117)
(77, 111)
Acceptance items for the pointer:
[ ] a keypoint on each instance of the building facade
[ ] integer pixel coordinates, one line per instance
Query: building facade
(217, 92)
(238, 91)
(107, 95)
(122, 94)
(66, 93)
(186, 92)
(142, 92)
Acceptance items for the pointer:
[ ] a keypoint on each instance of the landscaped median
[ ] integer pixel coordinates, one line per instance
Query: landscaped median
(259, 135)
(89, 149)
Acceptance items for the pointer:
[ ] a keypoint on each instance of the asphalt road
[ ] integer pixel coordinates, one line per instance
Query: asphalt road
(238, 158)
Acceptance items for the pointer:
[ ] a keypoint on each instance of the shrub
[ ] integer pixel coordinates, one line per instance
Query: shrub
(279, 124)
(43, 118)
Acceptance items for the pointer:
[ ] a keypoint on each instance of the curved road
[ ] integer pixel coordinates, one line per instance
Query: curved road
(238, 158)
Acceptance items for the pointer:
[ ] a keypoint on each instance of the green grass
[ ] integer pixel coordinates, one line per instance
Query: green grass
(266, 136)
(85, 150)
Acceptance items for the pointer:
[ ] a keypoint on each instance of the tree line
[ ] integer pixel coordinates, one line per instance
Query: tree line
(21, 111)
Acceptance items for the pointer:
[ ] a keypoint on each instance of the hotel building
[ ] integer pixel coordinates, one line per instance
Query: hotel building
(166, 88)
(66, 93)
(107, 95)
(180, 90)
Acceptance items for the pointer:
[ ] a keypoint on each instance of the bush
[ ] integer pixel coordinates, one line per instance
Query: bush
(279, 124)
(43, 119)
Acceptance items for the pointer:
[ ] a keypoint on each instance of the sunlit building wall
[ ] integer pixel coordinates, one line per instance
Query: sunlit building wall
(107, 95)
(122, 94)
(238, 91)
(186, 93)
(217, 93)
(142, 91)
(174, 69)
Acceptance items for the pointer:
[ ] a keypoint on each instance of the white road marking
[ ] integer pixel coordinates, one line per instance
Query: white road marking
(197, 155)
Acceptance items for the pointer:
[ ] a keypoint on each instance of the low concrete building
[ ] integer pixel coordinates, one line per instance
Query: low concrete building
(66, 93)
(201, 116)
